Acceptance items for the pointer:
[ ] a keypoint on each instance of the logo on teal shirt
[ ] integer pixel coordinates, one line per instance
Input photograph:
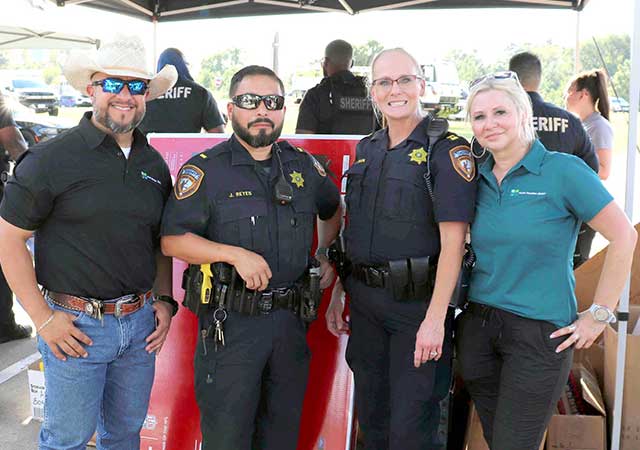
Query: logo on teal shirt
(518, 192)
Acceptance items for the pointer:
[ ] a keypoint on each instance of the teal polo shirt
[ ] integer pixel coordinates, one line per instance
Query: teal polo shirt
(525, 230)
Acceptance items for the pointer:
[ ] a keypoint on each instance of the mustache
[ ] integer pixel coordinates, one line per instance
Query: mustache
(262, 120)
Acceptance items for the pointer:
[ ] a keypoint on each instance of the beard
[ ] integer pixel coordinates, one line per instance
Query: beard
(263, 138)
(103, 117)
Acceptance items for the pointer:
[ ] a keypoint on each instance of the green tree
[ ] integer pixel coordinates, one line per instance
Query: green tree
(363, 54)
(621, 80)
(216, 70)
(469, 65)
(52, 74)
(615, 48)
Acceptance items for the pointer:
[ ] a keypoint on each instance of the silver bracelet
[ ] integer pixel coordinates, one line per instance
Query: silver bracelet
(45, 323)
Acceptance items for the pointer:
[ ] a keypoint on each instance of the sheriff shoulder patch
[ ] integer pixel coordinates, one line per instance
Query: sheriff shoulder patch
(318, 167)
(188, 182)
(462, 162)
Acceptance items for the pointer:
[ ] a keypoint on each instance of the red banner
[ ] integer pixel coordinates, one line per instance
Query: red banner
(173, 419)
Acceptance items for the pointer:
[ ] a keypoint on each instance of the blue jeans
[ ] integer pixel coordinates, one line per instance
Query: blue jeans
(108, 391)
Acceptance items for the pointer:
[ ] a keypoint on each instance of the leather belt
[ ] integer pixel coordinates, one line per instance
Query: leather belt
(261, 303)
(372, 276)
(97, 308)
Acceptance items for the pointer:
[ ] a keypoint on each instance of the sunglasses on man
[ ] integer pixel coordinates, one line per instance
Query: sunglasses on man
(252, 101)
(115, 85)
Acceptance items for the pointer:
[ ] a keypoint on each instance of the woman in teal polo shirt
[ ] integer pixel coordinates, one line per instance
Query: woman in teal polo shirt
(515, 340)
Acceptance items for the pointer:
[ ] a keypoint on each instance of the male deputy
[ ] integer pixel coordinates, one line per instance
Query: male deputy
(94, 197)
(559, 130)
(185, 108)
(340, 103)
(252, 203)
(12, 145)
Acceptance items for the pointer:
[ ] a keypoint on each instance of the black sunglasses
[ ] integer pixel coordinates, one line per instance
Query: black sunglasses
(115, 85)
(252, 101)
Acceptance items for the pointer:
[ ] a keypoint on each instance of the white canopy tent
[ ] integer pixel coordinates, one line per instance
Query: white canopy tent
(27, 38)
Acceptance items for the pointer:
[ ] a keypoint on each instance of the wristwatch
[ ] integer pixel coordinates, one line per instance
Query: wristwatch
(602, 314)
(169, 300)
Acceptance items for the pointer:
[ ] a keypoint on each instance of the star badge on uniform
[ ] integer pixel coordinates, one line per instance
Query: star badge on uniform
(418, 156)
(462, 162)
(296, 178)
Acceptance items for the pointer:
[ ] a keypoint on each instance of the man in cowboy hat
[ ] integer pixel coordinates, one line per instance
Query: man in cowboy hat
(94, 197)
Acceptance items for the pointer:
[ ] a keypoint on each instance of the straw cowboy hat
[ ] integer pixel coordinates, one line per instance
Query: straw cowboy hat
(124, 56)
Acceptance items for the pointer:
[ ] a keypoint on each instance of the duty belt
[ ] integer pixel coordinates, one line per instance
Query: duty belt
(372, 276)
(261, 303)
(119, 307)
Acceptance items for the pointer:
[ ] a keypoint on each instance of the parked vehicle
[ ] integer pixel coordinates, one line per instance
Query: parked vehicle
(619, 104)
(34, 94)
(36, 128)
(71, 100)
(442, 85)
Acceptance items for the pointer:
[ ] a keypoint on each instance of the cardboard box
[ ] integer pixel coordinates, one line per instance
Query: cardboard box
(35, 376)
(630, 436)
(588, 275)
(581, 432)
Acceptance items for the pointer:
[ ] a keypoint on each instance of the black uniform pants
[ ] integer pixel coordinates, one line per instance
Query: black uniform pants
(397, 405)
(515, 377)
(250, 392)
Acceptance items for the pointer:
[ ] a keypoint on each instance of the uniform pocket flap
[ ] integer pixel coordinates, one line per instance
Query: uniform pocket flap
(240, 208)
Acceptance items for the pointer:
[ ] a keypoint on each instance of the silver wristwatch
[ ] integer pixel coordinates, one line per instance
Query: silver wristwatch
(602, 314)
(322, 252)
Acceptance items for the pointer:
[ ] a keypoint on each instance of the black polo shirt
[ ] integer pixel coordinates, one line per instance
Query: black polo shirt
(96, 213)
(224, 195)
(339, 104)
(185, 108)
(561, 131)
(390, 213)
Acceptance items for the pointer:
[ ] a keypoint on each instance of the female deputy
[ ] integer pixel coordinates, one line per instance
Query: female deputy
(400, 343)
(587, 92)
(515, 339)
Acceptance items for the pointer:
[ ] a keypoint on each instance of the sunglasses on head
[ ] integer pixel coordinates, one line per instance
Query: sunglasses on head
(505, 75)
(115, 85)
(252, 101)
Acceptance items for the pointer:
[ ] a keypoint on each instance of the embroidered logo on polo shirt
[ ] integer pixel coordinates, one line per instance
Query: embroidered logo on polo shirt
(296, 178)
(145, 176)
(418, 156)
(462, 162)
(518, 192)
(188, 182)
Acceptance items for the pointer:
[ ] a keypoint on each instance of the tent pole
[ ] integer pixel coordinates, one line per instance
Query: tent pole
(634, 100)
(576, 53)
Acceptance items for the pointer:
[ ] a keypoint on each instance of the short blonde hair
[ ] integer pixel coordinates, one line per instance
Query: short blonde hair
(516, 93)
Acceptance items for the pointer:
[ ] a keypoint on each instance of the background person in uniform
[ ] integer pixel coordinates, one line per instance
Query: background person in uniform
(400, 347)
(559, 131)
(185, 108)
(12, 145)
(225, 208)
(340, 103)
(94, 196)
(514, 341)
(587, 97)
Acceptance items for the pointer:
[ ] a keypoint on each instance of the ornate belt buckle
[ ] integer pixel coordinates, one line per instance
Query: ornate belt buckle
(265, 303)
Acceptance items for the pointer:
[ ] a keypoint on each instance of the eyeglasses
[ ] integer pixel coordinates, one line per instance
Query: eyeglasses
(498, 76)
(385, 84)
(252, 101)
(115, 86)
